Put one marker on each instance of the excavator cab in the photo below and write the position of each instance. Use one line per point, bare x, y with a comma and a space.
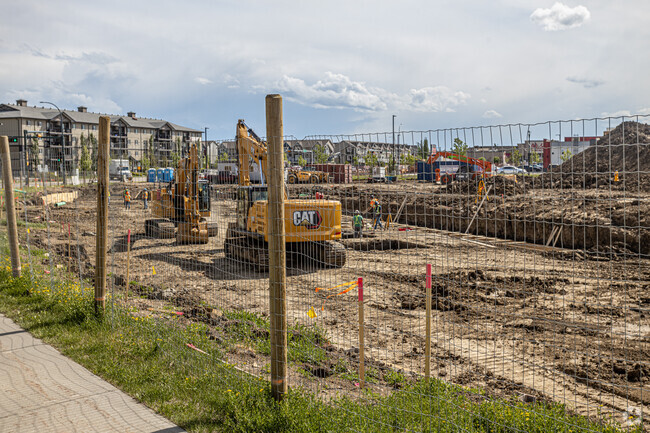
246, 196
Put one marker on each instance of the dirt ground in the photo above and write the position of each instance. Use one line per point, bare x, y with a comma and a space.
510, 315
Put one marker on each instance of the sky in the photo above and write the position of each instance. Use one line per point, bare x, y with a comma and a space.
341, 66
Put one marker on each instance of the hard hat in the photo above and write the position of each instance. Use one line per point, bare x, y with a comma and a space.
356, 212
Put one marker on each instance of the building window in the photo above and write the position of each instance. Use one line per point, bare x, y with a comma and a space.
136, 130
94, 127
40, 123
136, 143
27, 122
82, 126
74, 126
129, 142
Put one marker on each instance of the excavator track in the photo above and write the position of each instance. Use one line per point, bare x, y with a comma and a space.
160, 229
333, 254
244, 248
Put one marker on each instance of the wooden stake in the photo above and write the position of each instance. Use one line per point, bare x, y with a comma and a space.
550, 237
427, 341
399, 211
277, 247
101, 241
362, 366
12, 227
478, 208
128, 264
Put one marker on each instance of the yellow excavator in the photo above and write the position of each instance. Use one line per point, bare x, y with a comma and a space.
311, 226
183, 206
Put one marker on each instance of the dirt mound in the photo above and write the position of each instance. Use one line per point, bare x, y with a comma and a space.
625, 149
500, 185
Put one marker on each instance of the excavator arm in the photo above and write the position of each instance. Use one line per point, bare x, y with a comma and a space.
485, 165
250, 146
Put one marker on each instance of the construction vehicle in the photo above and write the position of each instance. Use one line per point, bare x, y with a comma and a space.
471, 170
311, 226
183, 206
307, 175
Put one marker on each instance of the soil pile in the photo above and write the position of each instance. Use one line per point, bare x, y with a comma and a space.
626, 149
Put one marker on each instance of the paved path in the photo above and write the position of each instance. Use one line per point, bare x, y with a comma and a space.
42, 391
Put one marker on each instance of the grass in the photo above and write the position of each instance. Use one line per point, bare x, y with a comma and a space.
149, 359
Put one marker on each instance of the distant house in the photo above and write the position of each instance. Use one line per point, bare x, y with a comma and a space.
347, 151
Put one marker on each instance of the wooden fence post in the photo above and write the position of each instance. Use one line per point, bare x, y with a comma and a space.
12, 228
277, 246
101, 240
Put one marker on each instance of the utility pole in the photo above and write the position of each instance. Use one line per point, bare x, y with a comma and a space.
62, 139
208, 147
394, 141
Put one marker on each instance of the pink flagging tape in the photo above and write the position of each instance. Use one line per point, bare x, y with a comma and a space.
428, 275
128, 237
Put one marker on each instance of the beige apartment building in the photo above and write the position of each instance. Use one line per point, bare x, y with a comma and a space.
131, 137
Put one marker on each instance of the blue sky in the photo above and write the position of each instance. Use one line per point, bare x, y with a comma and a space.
342, 66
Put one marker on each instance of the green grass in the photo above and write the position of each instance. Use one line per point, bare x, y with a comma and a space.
149, 359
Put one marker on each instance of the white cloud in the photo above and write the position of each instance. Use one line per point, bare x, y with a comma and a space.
434, 99
560, 17
492, 114
627, 113
339, 91
202, 81
334, 91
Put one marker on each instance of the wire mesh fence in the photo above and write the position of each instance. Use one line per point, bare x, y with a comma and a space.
445, 279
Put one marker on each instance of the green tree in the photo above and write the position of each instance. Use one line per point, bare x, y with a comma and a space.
496, 160
145, 162
566, 155
302, 161
34, 153
150, 151
459, 148
515, 157
175, 159
423, 150
320, 154
409, 160
93, 152
85, 163
534, 158
223, 157
371, 160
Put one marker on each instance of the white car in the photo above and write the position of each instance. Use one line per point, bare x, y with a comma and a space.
510, 169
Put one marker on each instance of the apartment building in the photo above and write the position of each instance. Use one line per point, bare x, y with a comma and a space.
130, 137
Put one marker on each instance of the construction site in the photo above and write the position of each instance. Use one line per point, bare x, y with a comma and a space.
540, 284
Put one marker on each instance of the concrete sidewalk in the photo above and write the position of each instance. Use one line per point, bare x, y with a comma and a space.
42, 391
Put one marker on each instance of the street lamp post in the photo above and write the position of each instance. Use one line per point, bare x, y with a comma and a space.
208, 147
394, 142
62, 138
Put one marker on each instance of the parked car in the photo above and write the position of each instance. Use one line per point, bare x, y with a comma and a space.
510, 169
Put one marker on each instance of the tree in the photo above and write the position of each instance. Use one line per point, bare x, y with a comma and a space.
534, 158
175, 159
459, 148
409, 160
566, 155
302, 161
423, 150
85, 163
320, 154
150, 151
223, 157
93, 152
515, 158
145, 162
371, 160
35, 155
496, 160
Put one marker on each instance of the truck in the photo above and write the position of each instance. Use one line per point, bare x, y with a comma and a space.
469, 169
378, 175
118, 169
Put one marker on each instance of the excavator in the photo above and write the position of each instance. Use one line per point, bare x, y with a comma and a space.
183, 206
465, 172
311, 226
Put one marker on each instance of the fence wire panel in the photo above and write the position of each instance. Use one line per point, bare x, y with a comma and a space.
491, 278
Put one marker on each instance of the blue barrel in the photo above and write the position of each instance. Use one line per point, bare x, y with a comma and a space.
151, 175
160, 175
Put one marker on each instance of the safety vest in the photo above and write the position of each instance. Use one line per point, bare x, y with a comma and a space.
127, 196
358, 220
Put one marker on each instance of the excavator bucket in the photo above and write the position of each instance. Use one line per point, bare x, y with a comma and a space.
192, 233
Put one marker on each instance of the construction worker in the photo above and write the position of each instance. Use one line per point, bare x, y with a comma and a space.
376, 210
109, 195
127, 199
357, 222
146, 198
